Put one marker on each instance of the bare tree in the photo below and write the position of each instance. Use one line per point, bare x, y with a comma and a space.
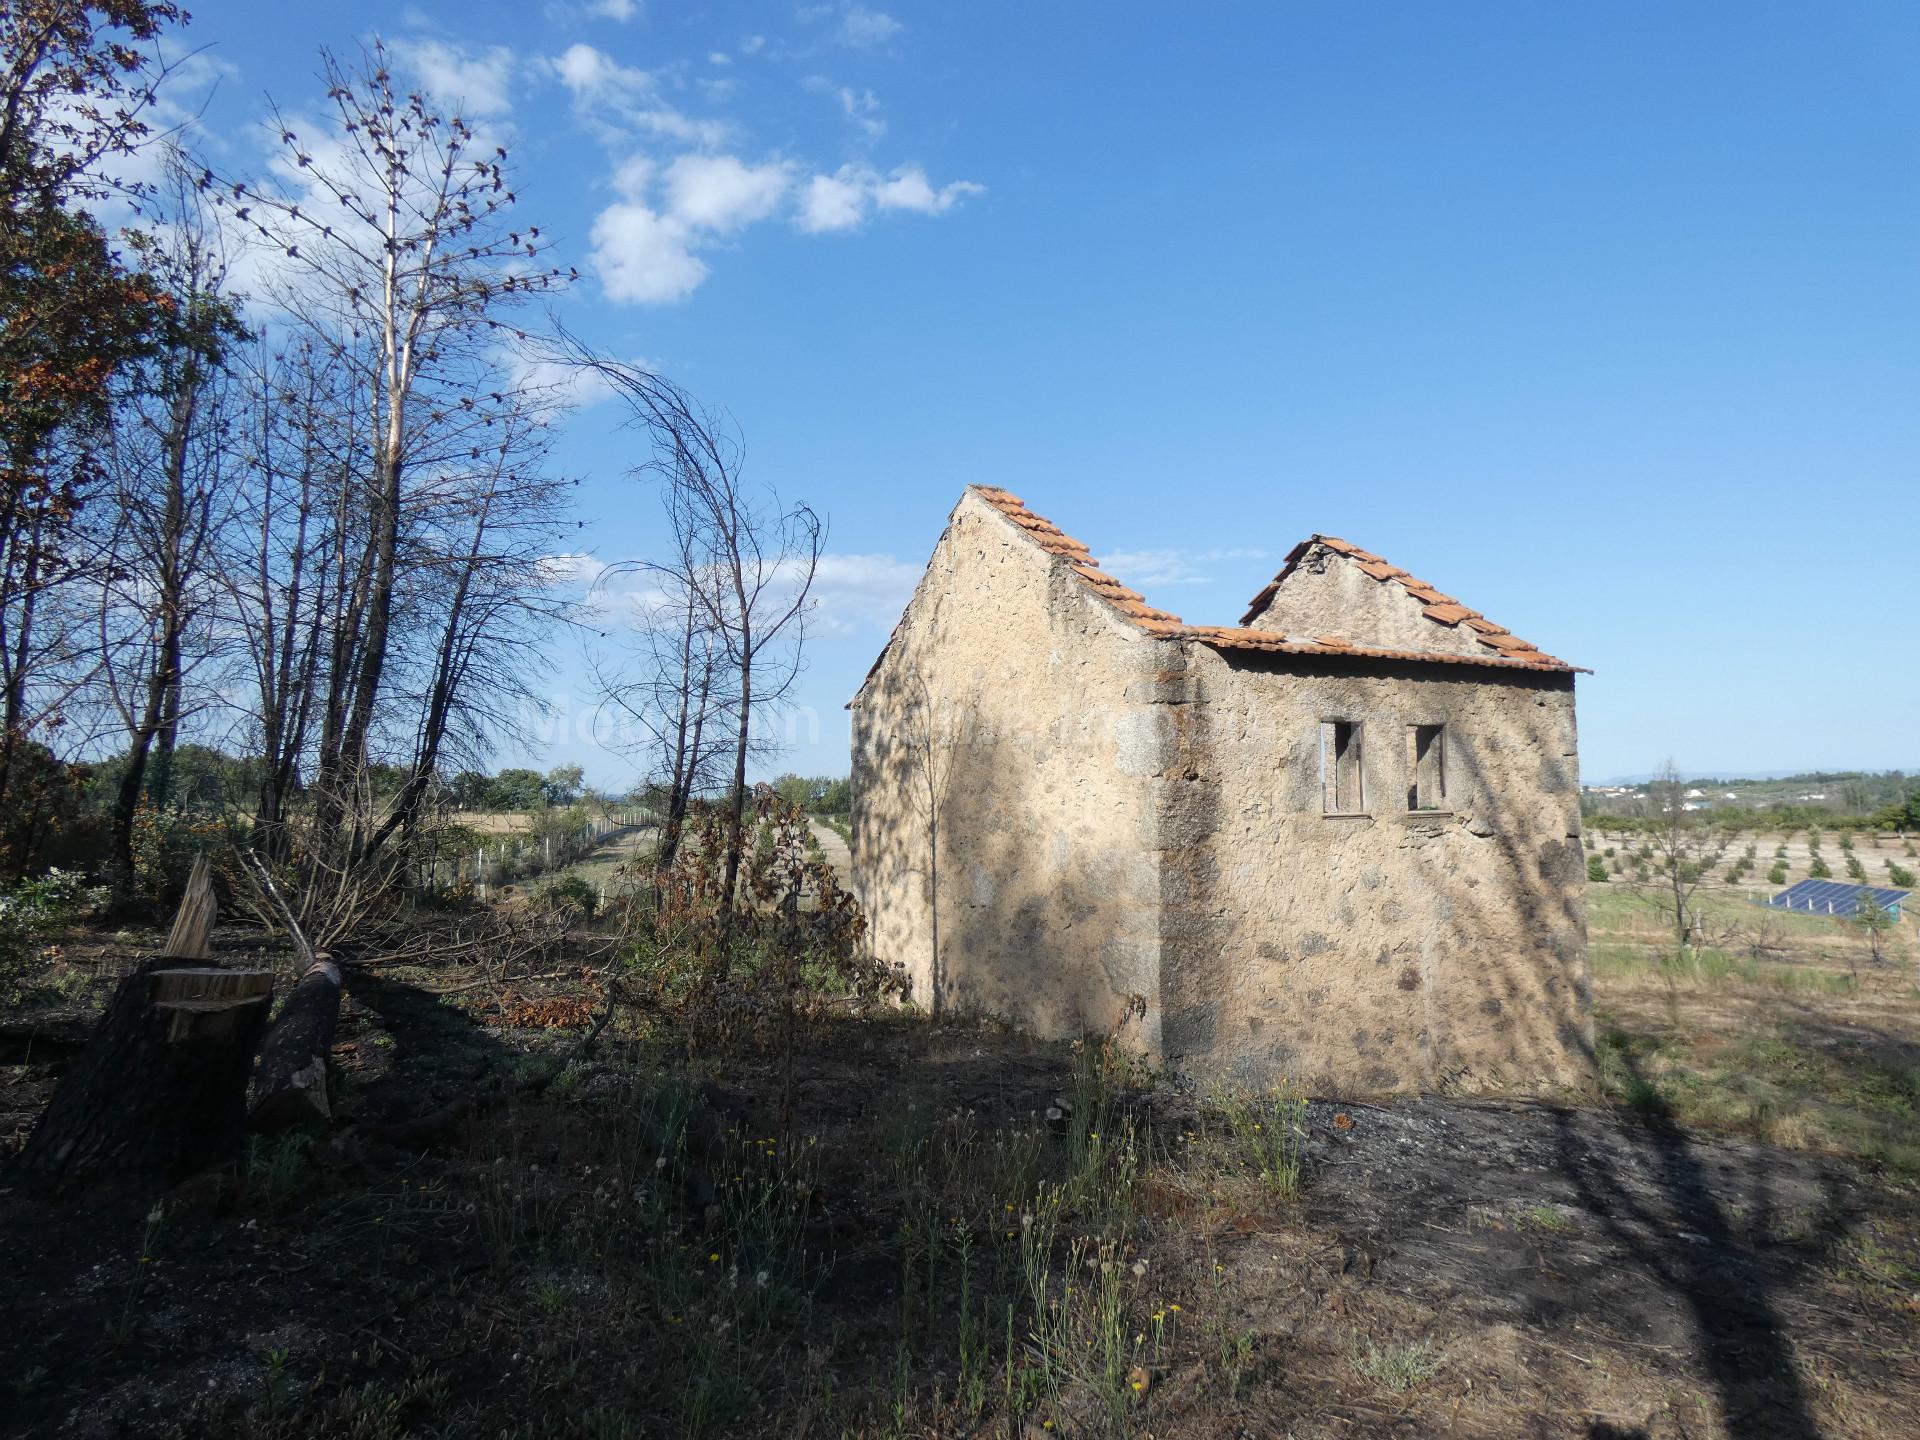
927, 733
743, 559
277, 564
167, 464
403, 259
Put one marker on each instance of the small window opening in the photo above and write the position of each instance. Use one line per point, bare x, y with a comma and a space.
1427, 772
1342, 787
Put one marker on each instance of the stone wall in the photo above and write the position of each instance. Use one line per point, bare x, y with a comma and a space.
1394, 950
1120, 813
1019, 697
1329, 594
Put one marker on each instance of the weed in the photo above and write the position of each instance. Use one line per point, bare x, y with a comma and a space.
1397, 1367
1270, 1132
275, 1167
1548, 1219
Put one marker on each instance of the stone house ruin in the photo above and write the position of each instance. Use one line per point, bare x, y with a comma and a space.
1338, 842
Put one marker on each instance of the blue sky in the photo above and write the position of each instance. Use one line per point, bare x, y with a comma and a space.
1605, 318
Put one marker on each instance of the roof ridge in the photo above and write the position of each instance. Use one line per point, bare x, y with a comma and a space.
1437, 605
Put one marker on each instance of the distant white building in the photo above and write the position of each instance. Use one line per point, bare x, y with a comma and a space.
1696, 795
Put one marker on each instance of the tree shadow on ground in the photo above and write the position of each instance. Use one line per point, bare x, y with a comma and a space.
1669, 1219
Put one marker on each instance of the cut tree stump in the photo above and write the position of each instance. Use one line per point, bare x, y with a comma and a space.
161, 1090
290, 1089
193, 921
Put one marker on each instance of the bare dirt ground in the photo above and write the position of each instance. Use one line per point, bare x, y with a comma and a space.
1449, 1267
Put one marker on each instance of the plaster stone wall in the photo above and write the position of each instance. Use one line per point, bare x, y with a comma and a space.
1329, 594
1025, 704
1390, 951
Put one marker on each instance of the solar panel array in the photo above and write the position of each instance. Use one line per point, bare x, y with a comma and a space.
1833, 897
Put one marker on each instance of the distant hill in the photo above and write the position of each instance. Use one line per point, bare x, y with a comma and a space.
1754, 777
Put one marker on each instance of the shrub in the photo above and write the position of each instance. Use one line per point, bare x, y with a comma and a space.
1778, 874
35, 910
1900, 876
574, 890
1819, 870
1596, 869
1855, 869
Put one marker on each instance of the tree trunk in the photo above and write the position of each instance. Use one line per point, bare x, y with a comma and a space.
161, 1091
193, 921
290, 1090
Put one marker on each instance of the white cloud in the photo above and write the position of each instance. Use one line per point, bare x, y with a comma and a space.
633, 175
719, 57
578, 568
616, 98
644, 256
842, 200
478, 82
832, 203
1175, 567
852, 593
721, 193
644, 252
859, 106
863, 28
549, 380
620, 10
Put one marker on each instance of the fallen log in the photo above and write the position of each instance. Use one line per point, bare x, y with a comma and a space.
160, 1091
290, 1088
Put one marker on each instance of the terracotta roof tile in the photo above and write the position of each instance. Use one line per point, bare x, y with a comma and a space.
1223, 637
1438, 606
1505, 651
1130, 604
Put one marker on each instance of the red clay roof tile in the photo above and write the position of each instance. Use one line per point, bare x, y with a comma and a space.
1509, 652
1439, 607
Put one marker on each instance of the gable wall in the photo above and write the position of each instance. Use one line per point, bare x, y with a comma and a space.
1329, 594
1042, 748
1393, 952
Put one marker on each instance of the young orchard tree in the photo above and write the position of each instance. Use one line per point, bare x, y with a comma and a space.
399, 251
1873, 920
1685, 850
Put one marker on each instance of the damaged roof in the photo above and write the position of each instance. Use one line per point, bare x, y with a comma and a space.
1438, 607
1504, 650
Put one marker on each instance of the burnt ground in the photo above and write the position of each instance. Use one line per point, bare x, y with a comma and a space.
1449, 1267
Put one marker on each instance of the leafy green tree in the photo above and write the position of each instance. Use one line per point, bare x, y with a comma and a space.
564, 785
1597, 869
517, 789
1819, 870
